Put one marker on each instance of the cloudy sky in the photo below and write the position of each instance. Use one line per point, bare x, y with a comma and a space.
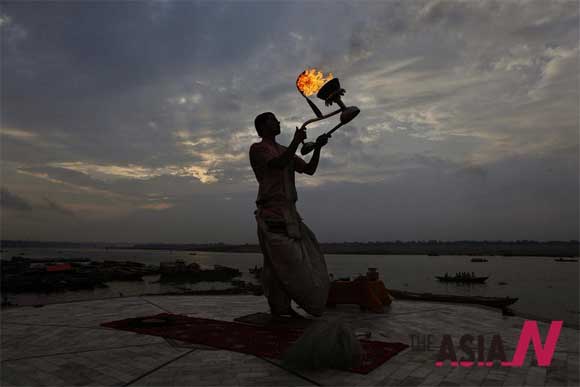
131, 121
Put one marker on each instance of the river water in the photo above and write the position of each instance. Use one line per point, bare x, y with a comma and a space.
546, 289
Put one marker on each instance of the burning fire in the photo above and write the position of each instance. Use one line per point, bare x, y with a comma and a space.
311, 80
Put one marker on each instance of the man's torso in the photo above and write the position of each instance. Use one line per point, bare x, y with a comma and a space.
276, 185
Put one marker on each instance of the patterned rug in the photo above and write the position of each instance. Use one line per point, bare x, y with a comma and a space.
266, 320
269, 341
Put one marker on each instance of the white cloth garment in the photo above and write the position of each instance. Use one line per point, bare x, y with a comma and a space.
294, 266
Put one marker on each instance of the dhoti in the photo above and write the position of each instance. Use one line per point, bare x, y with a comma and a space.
294, 266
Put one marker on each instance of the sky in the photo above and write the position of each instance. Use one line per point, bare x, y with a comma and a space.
132, 121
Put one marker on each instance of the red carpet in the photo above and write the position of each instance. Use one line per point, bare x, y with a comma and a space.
268, 341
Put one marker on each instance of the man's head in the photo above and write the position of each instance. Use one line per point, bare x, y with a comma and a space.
267, 124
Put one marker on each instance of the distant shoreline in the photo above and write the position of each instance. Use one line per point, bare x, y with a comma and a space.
432, 248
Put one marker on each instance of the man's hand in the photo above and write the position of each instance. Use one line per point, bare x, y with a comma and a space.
322, 140
299, 135
289, 154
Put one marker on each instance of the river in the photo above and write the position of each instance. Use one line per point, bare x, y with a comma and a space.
546, 289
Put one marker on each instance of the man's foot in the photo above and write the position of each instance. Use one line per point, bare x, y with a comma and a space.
295, 314
291, 313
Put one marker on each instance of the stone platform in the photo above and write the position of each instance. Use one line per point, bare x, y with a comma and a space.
64, 345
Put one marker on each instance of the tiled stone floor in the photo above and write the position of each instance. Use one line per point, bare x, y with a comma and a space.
64, 345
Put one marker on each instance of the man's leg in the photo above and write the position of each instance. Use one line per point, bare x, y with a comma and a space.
281, 255
278, 299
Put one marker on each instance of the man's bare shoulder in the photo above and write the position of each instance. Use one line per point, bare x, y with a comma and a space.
260, 150
257, 147
265, 147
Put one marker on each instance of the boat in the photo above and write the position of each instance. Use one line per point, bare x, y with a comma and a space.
566, 260
256, 271
180, 271
224, 271
478, 260
125, 270
496, 302
462, 279
42, 280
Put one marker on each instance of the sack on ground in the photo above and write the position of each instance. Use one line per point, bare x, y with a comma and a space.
325, 344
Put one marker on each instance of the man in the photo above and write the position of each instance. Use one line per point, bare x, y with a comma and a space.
294, 267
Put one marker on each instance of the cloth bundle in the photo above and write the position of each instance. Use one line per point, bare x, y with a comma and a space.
325, 344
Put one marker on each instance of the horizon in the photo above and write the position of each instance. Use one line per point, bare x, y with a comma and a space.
423, 241
133, 120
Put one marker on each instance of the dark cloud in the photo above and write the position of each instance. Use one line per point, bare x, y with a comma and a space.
12, 201
132, 113
430, 202
69, 176
457, 14
55, 207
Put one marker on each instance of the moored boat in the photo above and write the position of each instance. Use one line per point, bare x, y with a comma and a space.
256, 271
462, 279
565, 260
182, 272
496, 302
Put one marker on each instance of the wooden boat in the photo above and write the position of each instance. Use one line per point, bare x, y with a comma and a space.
478, 260
179, 271
256, 271
462, 279
42, 281
566, 260
496, 302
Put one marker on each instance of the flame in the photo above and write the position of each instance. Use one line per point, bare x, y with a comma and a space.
311, 80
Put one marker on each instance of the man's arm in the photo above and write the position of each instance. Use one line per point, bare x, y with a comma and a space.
284, 159
313, 163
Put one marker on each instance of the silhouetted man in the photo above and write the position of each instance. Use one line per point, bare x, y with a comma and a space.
294, 267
